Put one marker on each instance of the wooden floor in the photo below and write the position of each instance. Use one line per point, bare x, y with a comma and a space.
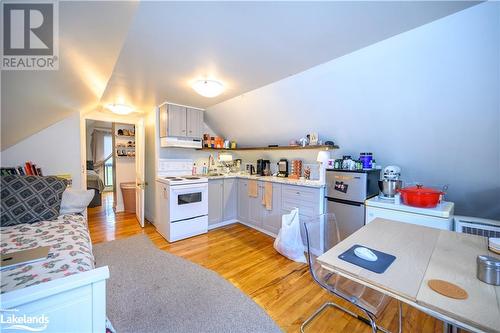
247, 259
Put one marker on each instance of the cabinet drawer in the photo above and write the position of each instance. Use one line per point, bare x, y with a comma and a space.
305, 209
307, 200
291, 192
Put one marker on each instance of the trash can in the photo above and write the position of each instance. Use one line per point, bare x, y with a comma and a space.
128, 195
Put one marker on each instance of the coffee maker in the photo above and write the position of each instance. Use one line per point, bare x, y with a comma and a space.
283, 168
262, 166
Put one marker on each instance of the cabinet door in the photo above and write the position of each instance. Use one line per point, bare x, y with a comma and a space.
176, 121
163, 121
272, 218
255, 208
215, 197
194, 123
230, 203
243, 200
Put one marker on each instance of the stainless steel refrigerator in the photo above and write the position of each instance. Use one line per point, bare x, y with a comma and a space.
346, 192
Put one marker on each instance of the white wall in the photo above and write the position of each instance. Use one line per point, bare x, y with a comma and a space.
55, 149
151, 136
427, 100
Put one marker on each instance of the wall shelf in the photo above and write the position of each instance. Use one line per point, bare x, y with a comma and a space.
317, 147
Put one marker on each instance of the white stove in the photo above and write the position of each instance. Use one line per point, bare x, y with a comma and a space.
181, 201
182, 180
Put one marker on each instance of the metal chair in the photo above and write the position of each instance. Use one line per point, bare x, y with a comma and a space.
368, 301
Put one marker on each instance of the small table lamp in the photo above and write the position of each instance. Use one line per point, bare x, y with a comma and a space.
323, 157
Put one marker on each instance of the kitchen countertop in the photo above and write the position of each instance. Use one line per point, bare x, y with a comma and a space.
281, 180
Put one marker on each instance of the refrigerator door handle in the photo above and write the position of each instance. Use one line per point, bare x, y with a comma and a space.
346, 202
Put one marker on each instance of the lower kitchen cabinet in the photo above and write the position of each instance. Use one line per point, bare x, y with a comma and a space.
255, 207
243, 200
228, 199
230, 202
272, 218
215, 201
310, 202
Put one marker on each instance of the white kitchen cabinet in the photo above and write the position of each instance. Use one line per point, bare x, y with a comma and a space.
230, 199
194, 123
176, 120
180, 121
243, 200
310, 202
272, 218
215, 201
255, 207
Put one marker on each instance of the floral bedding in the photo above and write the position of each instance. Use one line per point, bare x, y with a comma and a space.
70, 252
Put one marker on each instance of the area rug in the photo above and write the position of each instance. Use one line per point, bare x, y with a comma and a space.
150, 290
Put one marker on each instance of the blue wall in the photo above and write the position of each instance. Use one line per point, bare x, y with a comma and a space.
427, 100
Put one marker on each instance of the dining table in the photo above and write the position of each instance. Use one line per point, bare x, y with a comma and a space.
424, 254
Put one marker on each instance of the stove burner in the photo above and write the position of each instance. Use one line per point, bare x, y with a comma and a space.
170, 177
191, 178
174, 179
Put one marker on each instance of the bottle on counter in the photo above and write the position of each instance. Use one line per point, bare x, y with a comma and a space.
193, 171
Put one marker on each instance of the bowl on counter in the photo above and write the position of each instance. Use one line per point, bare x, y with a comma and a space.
389, 187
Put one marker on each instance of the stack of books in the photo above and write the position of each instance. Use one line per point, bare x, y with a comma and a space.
29, 169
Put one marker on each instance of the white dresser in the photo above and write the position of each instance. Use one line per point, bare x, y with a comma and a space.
440, 217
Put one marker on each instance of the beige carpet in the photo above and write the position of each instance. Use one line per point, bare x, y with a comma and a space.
150, 290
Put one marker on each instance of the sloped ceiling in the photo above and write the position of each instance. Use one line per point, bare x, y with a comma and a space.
148, 53
91, 35
247, 45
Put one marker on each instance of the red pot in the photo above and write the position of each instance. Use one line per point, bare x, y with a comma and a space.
419, 196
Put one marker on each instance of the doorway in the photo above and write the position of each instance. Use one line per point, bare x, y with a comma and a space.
113, 169
99, 159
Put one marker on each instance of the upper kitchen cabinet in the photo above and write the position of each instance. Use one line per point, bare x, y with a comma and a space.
176, 120
194, 123
180, 121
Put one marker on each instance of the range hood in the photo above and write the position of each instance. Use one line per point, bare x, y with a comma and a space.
173, 142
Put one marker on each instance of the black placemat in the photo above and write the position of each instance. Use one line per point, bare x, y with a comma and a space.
379, 266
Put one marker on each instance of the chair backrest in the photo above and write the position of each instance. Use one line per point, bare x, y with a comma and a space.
367, 300
312, 229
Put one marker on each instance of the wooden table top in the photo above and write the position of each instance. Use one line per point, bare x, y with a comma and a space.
422, 254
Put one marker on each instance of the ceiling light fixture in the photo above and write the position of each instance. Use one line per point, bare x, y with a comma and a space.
122, 109
208, 88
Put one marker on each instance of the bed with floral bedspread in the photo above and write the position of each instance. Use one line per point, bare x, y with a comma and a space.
70, 250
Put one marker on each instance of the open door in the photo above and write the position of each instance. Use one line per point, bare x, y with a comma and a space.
140, 142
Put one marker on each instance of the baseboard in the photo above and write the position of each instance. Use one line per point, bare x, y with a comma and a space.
258, 229
222, 224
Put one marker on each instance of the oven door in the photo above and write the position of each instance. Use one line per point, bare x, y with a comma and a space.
188, 201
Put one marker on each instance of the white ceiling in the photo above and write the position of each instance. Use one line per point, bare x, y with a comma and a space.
91, 35
247, 45
147, 53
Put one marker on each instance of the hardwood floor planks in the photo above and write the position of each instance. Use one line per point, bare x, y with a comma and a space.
247, 259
